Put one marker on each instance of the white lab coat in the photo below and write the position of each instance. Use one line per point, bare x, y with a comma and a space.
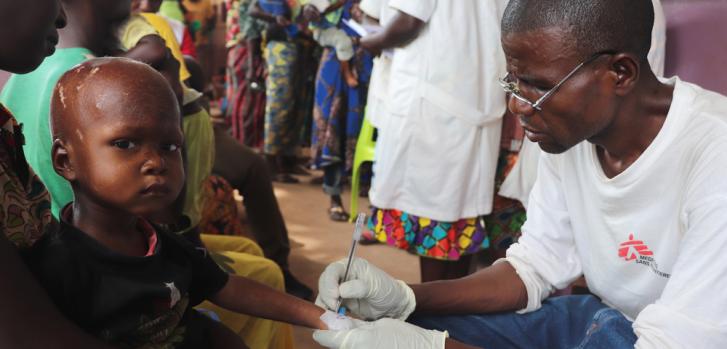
438, 146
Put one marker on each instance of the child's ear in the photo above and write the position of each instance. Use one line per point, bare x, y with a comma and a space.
62, 161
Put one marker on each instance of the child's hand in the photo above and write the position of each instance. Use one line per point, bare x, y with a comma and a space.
337, 322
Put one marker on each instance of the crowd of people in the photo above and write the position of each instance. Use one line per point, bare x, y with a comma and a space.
540, 131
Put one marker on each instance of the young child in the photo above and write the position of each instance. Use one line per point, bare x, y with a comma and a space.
117, 140
324, 31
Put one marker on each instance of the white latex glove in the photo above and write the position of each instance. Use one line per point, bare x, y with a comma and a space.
370, 293
384, 334
337, 322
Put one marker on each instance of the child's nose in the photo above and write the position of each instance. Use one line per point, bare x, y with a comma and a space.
154, 163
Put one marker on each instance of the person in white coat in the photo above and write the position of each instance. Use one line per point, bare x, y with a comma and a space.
631, 194
437, 149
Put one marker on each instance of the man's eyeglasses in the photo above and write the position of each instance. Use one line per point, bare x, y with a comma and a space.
510, 83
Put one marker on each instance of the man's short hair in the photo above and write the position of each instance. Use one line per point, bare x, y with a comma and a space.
595, 25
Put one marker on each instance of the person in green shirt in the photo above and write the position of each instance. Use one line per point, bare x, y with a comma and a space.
28, 318
28, 95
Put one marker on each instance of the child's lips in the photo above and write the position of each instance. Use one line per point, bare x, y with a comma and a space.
156, 189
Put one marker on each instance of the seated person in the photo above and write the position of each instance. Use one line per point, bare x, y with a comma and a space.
24, 207
631, 194
117, 139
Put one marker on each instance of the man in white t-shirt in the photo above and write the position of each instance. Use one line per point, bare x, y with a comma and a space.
632, 194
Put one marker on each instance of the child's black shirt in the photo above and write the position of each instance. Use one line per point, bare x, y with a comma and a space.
128, 301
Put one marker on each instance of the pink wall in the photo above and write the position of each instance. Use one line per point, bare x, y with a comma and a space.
696, 42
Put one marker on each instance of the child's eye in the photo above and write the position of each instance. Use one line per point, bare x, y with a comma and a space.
124, 144
170, 147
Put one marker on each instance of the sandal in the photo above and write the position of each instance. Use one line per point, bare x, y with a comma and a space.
337, 214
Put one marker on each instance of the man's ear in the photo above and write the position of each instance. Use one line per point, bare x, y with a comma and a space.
62, 161
627, 71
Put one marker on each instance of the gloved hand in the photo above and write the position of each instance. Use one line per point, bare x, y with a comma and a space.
370, 293
384, 334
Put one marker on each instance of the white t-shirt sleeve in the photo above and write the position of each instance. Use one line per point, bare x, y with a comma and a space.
691, 310
421, 9
545, 256
657, 52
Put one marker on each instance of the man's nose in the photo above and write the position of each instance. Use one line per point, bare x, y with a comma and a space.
518, 107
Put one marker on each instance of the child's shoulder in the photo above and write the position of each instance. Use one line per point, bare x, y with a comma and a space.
59, 253
55, 245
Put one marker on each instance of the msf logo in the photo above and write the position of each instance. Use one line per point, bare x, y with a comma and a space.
637, 251
632, 249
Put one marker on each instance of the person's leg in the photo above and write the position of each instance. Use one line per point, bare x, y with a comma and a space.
332, 177
562, 322
247, 172
609, 329
434, 269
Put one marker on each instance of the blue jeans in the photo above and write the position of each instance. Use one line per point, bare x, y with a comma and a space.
568, 322
332, 177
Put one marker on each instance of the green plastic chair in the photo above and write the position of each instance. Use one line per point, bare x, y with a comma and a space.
364, 152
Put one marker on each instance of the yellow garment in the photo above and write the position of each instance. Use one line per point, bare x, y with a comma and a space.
199, 14
143, 24
199, 140
243, 257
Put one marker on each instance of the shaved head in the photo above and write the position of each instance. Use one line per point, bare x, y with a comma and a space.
594, 25
117, 136
104, 89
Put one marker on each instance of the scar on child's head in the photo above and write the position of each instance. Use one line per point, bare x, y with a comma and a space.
88, 91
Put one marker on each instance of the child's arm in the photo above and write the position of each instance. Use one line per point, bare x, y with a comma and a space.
246, 296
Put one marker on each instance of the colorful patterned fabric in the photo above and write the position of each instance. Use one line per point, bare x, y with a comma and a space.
508, 215
240, 26
250, 28
429, 238
282, 124
232, 22
450, 240
219, 212
246, 106
24, 202
338, 110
